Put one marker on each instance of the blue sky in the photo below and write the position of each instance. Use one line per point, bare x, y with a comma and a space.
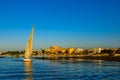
67, 23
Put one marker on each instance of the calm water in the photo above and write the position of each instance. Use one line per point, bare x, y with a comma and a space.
16, 69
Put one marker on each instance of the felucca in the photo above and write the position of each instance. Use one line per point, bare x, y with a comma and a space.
28, 49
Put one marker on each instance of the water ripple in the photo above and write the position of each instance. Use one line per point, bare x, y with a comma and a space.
13, 69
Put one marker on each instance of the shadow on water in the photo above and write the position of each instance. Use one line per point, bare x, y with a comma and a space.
28, 70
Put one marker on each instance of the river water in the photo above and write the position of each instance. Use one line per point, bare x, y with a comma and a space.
16, 69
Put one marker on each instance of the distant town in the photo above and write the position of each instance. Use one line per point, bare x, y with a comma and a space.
59, 52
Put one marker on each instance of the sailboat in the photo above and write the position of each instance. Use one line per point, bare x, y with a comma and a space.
28, 49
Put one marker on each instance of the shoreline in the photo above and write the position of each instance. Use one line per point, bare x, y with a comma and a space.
110, 58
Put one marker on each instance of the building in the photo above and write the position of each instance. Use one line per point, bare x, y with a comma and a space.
0, 53
95, 50
78, 50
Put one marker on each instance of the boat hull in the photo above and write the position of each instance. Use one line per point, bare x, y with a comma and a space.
27, 60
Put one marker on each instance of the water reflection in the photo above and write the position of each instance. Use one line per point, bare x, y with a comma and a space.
28, 70
70, 69
99, 62
79, 61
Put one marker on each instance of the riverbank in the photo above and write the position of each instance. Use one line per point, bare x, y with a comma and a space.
110, 58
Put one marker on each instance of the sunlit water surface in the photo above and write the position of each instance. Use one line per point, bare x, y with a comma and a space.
16, 69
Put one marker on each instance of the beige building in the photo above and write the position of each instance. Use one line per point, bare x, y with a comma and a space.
95, 50
98, 50
0, 52
78, 50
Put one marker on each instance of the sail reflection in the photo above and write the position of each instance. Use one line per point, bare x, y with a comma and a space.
28, 70
99, 62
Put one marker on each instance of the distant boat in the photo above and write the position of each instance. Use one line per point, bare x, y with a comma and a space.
28, 49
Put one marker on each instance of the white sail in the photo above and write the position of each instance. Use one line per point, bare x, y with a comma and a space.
28, 49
